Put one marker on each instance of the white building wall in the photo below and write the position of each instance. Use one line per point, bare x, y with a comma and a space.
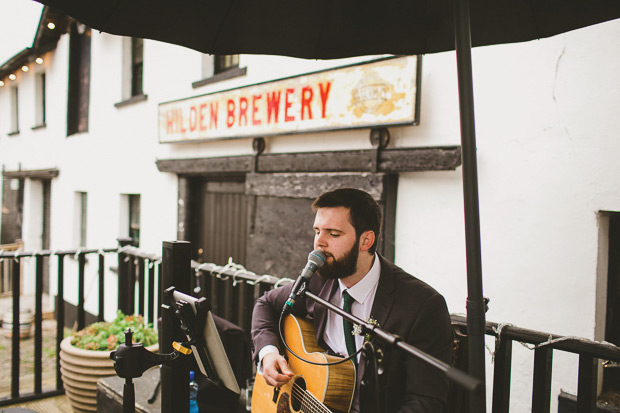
547, 132
547, 148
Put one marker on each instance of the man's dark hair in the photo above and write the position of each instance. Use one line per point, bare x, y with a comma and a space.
365, 212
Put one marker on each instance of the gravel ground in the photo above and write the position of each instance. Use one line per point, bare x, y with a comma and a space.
26, 361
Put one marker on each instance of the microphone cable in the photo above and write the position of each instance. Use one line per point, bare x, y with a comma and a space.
331, 363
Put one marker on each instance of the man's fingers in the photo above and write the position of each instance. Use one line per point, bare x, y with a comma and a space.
276, 371
277, 380
284, 368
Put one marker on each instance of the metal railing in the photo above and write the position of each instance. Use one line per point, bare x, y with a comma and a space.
231, 291
544, 344
131, 266
17, 257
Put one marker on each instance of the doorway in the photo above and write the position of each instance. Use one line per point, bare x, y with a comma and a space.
222, 221
12, 210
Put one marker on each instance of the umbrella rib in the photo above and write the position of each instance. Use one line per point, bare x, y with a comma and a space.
107, 18
221, 29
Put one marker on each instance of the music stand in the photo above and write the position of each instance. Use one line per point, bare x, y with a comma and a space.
131, 360
203, 337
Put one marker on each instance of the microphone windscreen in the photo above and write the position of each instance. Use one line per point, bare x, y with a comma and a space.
317, 257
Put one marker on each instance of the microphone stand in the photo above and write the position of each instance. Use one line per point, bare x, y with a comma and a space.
375, 358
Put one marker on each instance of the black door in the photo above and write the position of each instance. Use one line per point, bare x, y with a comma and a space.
222, 222
12, 210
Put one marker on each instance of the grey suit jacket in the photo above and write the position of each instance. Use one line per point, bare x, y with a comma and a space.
404, 306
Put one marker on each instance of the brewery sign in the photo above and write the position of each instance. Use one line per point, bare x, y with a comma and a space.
372, 94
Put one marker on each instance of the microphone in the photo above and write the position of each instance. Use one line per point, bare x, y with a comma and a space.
316, 259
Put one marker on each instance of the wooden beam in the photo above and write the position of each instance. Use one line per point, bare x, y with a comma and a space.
444, 158
31, 174
206, 166
311, 185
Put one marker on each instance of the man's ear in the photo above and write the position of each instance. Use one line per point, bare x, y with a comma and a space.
367, 240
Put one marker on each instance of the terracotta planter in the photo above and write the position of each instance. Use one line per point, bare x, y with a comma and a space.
81, 370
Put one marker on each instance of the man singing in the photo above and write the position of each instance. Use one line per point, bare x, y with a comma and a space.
347, 225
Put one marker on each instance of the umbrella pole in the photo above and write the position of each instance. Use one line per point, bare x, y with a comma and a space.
475, 301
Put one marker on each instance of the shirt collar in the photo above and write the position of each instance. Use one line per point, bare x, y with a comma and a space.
364, 287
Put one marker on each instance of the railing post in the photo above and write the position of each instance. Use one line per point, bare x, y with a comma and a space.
131, 285
501, 375
541, 392
81, 313
176, 266
152, 300
60, 315
15, 338
141, 286
38, 325
586, 387
101, 317
123, 278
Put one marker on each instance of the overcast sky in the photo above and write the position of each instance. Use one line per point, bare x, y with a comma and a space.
18, 25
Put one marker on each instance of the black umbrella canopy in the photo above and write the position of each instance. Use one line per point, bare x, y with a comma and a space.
327, 29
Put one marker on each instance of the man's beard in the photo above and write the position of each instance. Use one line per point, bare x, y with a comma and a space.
342, 268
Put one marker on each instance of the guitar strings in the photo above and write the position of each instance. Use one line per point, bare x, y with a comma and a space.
310, 398
308, 401
302, 395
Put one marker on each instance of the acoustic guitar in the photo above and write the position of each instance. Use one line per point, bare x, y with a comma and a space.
313, 388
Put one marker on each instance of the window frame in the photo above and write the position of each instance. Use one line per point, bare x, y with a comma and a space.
14, 122
40, 100
212, 74
132, 90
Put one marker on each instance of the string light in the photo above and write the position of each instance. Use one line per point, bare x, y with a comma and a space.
51, 25
25, 68
1, 83
39, 60
12, 76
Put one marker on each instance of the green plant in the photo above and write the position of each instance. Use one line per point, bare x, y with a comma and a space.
107, 336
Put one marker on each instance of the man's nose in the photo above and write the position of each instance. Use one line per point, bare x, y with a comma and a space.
320, 240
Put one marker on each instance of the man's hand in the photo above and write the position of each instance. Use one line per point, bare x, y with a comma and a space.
275, 370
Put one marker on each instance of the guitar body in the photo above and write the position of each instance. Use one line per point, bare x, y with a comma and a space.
313, 388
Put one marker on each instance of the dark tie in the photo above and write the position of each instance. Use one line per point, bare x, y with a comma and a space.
349, 338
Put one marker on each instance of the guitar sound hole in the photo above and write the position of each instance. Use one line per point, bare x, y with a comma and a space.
297, 395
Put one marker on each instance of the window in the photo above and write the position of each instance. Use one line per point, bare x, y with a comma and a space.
81, 218
216, 68
134, 219
222, 63
133, 72
14, 111
40, 100
79, 79
129, 218
137, 62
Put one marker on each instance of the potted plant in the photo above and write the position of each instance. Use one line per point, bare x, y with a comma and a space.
85, 356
